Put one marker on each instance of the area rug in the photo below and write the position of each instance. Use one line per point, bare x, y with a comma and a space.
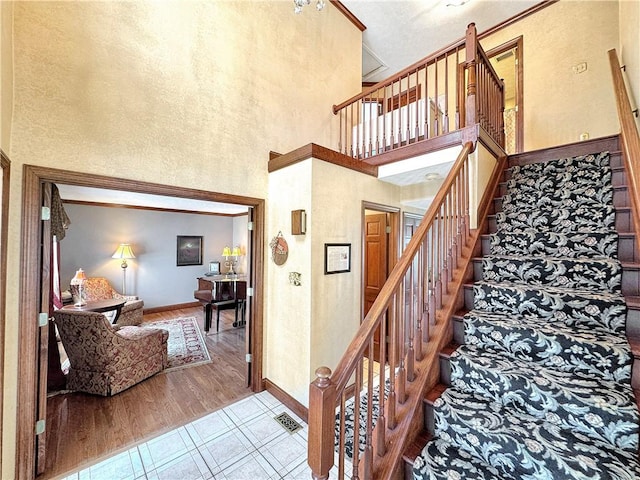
186, 346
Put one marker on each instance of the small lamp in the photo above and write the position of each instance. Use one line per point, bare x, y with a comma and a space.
124, 252
226, 253
78, 279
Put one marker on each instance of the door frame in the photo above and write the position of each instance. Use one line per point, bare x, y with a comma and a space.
393, 245
33, 179
516, 43
5, 164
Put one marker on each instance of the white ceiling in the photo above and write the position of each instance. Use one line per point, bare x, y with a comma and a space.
401, 32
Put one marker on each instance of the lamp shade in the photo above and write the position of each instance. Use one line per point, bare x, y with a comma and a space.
79, 277
226, 252
123, 251
236, 252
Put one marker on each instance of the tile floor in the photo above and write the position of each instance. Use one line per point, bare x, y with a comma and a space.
241, 441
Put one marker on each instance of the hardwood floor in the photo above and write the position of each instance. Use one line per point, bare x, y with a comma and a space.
82, 428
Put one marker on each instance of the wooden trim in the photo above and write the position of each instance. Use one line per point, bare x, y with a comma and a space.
402, 99
347, 13
291, 403
570, 149
167, 308
630, 139
487, 141
4, 228
516, 18
312, 150
153, 209
517, 44
273, 155
33, 177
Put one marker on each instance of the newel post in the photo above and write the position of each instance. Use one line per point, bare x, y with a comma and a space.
322, 403
471, 49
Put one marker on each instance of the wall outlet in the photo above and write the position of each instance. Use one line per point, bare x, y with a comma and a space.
579, 67
584, 136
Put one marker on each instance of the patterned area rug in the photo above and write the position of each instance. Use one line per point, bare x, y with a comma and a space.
186, 347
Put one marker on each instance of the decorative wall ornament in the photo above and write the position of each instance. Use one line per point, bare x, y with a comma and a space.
295, 279
279, 249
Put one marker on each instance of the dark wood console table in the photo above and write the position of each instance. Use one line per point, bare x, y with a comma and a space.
222, 292
100, 306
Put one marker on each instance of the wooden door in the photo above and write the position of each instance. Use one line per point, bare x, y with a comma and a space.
43, 340
375, 258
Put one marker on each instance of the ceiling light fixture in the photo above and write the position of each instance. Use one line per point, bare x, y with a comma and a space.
301, 3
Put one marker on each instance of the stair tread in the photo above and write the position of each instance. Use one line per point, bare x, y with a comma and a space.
528, 444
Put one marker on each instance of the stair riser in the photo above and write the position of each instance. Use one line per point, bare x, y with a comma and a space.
623, 221
615, 163
627, 249
630, 278
618, 179
620, 199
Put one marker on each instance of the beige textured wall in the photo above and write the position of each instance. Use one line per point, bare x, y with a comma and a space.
558, 104
311, 325
629, 50
336, 299
6, 73
168, 92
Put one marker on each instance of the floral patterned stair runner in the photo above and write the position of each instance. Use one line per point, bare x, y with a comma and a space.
541, 388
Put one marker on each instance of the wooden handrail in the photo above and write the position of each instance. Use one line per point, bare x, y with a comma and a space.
630, 138
431, 254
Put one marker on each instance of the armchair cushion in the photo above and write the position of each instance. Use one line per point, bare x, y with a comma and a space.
106, 360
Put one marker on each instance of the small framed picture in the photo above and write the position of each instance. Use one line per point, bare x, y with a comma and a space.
337, 258
189, 250
214, 268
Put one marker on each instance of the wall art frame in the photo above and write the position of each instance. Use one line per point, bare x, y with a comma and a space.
189, 250
337, 258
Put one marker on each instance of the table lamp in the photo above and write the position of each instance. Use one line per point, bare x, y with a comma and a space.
78, 279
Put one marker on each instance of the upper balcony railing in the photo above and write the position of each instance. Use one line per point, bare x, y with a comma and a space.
444, 92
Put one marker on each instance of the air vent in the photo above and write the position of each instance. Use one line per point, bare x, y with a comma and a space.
288, 423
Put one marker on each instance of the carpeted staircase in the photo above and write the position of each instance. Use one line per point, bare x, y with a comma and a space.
541, 387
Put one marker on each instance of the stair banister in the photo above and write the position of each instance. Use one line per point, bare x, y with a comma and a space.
630, 138
451, 216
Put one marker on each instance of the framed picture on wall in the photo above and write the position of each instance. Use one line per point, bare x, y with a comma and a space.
189, 250
214, 268
337, 258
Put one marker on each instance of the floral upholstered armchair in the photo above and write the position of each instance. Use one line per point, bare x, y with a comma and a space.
99, 288
104, 360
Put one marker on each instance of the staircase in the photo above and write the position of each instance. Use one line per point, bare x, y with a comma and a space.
540, 384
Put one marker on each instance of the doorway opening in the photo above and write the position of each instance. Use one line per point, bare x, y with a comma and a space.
380, 234
31, 391
506, 59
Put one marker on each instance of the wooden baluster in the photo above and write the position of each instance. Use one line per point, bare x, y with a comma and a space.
445, 121
391, 122
418, 302
322, 401
391, 409
459, 213
359, 130
407, 109
408, 323
401, 377
457, 99
368, 448
444, 249
356, 421
418, 98
342, 435
381, 426
432, 268
340, 142
439, 262
427, 106
454, 228
437, 129
467, 217
449, 238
